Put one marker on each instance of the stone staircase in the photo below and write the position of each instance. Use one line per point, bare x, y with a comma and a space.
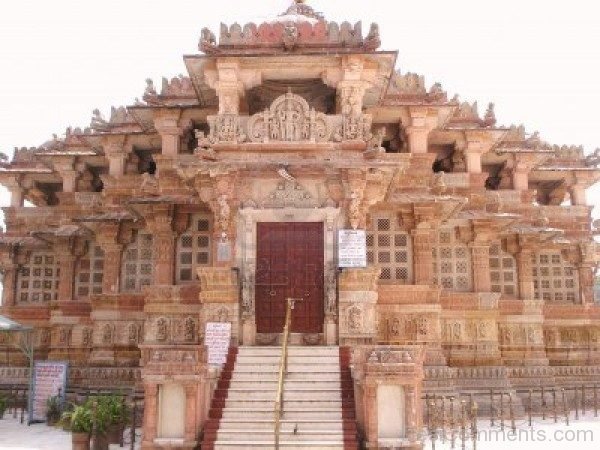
318, 406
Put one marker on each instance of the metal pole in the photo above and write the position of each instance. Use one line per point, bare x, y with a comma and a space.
595, 400
502, 410
511, 412
583, 399
492, 411
554, 405
543, 404
29, 339
133, 414
530, 405
576, 403
565, 407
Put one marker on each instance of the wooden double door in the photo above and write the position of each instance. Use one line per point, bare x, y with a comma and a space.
289, 264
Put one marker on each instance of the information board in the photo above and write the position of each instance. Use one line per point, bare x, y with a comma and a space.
217, 339
49, 380
352, 248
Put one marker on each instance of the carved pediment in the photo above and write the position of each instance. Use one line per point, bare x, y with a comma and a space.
290, 194
289, 119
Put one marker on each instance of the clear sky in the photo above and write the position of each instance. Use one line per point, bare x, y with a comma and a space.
538, 61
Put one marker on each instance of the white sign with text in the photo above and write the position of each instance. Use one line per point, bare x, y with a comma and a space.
352, 248
217, 339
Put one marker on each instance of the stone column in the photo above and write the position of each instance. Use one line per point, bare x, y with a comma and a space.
578, 195
17, 192
150, 415
114, 149
422, 254
480, 253
190, 412
164, 245
410, 413
107, 239
586, 283
525, 268
167, 124
66, 260
69, 180
9, 281
520, 179
423, 121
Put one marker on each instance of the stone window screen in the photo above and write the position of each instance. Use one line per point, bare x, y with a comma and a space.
452, 267
390, 248
503, 271
37, 280
138, 262
554, 279
193, 248
89, 273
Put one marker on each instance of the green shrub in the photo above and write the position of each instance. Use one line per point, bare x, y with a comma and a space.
53, 409
3, 404
80, 419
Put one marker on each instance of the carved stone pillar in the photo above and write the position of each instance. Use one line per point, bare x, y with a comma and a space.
116, 154
107, 239
480, 253
69, 180
150, 414
17, 192
66, 260
525, 267
9, 281
423, 121
578, 195
167, 124
586, 282
423, 258
190, 412
164, 245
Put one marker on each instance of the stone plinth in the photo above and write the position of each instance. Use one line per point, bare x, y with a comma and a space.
357, 305
388, 382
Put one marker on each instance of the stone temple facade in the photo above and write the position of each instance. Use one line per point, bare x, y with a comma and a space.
221, 193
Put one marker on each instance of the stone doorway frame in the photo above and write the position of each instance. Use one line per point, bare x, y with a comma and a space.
246, 261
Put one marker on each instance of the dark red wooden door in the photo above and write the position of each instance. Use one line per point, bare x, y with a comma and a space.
289, 264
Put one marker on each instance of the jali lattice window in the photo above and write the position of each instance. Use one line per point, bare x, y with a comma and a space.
89, 273
138, 262
37, 280
554, 279
391, 249
193, 248
503, 271
452, 262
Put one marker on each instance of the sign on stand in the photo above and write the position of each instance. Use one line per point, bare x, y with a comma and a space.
217, 339
49, 380
352, 248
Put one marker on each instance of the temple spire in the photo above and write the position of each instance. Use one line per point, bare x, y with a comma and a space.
300, 8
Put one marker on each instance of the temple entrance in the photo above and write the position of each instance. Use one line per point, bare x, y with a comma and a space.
289, 264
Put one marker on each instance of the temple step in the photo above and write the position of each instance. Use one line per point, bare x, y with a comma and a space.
318, 407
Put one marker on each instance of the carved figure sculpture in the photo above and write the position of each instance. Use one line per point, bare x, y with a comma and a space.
162, 330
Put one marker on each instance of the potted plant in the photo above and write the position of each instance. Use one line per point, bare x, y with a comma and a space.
53, 410
81, 424
116, 412
3, 405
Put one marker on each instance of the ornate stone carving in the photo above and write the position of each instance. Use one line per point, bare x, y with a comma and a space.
108, 332
289, 119
289, 194
190, 330
224, 129
248, 290
162, 330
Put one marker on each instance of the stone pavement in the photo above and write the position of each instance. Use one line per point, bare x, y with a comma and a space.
14, 436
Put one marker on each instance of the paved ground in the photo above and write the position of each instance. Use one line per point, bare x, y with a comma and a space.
14, 436
582, 434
